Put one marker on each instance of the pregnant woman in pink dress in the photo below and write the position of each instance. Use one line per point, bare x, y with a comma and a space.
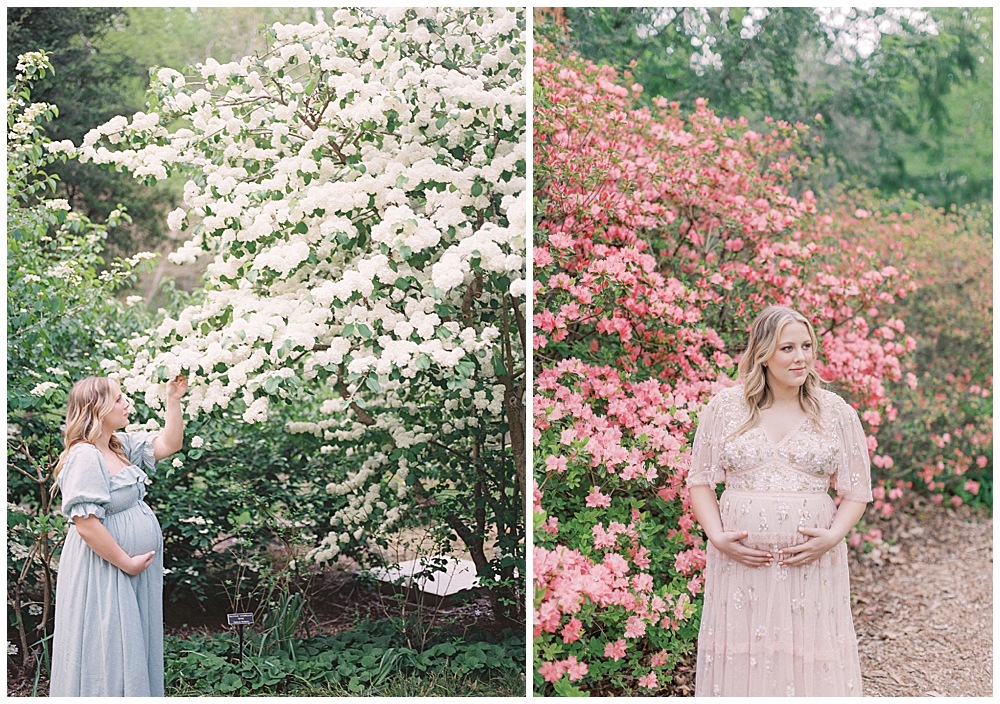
777, 615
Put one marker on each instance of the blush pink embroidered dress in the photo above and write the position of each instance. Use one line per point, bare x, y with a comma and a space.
778, 631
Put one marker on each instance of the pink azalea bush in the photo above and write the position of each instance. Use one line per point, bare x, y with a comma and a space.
658, 238
942, 439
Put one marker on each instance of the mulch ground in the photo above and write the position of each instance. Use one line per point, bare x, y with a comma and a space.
339, 601
923, 608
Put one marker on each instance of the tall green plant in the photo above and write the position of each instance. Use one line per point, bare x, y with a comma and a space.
62, 320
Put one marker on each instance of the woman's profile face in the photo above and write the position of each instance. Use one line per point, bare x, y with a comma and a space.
793, 358
118, 417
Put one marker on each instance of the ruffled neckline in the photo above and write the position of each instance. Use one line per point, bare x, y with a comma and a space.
131, 477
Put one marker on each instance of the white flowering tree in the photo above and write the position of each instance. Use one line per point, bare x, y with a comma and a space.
360, 188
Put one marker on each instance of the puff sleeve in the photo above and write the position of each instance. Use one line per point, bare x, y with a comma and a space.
84, 483
139, 449
852, 478
705, 463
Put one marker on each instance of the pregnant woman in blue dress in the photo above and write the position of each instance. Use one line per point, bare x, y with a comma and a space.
109, 593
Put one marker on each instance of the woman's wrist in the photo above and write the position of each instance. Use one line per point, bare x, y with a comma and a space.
715, 537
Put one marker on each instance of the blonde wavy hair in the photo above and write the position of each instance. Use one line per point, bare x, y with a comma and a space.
764, 335
90, 402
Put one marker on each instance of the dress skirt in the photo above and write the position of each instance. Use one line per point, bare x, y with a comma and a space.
777, 631
108, 638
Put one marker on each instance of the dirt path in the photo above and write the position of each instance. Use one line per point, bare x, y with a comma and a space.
923, 610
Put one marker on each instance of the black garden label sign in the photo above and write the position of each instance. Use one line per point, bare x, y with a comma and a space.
240, 619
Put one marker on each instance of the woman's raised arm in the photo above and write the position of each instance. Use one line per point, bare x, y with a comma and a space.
172, 438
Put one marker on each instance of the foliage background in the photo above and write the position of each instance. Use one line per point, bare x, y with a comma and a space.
917, 114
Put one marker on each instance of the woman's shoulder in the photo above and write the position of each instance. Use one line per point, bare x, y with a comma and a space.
830, 401
730, 393
136, 436
83, 449
727, 397
82, 456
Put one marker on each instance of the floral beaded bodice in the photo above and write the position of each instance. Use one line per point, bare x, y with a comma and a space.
809, 458
802, 461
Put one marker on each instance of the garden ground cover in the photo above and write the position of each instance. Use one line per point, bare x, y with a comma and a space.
924, 612
354, 642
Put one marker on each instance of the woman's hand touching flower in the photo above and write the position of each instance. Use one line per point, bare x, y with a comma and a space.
177, 388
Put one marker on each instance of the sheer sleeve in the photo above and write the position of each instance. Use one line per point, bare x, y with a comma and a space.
705, 451
84, 483
139, 449
852, 480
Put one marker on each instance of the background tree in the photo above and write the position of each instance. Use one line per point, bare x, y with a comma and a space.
905, 95
90, 86
102, 57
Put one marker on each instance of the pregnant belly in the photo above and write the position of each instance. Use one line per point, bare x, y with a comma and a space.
772, 519
135, 529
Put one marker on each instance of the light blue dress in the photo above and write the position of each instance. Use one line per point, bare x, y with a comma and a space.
108, 638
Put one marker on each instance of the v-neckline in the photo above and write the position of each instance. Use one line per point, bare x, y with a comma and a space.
108, 470
123, 468
790, 433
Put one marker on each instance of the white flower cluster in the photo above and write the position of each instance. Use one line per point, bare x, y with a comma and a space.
361, 190
33, 59
752, 21
17, 551
854, 32
24, 125
42, 388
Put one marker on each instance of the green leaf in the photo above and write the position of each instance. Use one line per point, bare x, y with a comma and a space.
242, 519
230, 682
